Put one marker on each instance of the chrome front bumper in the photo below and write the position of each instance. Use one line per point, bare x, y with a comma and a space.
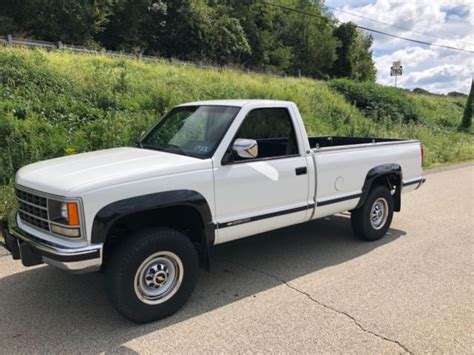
34, 251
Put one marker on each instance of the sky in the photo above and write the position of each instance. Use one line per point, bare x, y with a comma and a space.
446, 22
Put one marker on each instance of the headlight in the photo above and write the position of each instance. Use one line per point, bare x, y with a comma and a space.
64, 218
64, 210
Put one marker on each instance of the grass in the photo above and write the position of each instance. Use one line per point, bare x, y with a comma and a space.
57, 103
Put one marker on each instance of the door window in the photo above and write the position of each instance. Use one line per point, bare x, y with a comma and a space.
273, 130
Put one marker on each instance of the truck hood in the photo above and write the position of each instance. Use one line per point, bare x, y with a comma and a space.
74, 174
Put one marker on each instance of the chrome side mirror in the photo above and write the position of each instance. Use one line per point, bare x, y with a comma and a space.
245, 148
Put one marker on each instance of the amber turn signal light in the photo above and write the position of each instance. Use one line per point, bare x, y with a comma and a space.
72, 214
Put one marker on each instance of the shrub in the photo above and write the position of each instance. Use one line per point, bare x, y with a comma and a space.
377, 101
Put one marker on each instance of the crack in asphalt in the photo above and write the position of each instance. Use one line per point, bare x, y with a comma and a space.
311, 298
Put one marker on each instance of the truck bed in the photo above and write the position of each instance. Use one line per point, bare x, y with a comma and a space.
334, 141
343, 163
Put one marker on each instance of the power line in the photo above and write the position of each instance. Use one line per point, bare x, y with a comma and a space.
415, 40
370, 29
396, 26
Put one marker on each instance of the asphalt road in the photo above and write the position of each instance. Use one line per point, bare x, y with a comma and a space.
308, 288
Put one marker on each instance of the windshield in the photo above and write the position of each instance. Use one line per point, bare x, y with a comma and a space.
191, 130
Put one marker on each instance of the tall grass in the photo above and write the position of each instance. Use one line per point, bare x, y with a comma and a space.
57, 103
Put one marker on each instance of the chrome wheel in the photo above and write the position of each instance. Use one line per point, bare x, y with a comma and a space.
159, 277
379, 213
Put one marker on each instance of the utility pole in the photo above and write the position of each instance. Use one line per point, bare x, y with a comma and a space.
395, 70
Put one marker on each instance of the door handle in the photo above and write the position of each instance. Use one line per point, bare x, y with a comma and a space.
302, 170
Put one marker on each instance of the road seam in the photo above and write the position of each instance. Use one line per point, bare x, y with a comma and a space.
311, 298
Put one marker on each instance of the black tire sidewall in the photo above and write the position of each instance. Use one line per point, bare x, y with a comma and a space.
364, 227
120, 273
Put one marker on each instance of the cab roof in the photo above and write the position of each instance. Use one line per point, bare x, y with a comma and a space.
235, 103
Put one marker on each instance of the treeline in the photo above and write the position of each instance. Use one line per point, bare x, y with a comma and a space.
246, 33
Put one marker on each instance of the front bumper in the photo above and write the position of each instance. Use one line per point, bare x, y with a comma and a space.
34, 251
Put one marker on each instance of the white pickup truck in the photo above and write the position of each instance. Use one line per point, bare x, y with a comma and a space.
207, 173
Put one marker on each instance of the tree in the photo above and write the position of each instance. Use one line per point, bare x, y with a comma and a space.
346, 34
228, 42
260, 24
364, 67
7, 25
421, 91
456, 94
468, 111
127, 26
71, 21
179, 31
312, 40
354, 58
169, 28
9, 15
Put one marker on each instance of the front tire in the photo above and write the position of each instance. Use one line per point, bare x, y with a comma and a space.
152, 274
372, 220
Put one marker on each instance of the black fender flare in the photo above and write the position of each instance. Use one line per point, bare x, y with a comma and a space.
375, 173
109, 214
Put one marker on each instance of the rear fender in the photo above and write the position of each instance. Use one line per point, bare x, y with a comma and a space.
389, 174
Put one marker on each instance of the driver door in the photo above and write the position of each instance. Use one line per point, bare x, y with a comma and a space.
254, 195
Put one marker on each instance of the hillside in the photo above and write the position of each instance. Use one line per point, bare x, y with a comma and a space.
259, 35
56, 103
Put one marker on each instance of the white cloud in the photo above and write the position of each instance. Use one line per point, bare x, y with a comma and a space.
445, 22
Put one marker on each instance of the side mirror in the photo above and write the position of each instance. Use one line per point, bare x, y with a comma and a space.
245, 148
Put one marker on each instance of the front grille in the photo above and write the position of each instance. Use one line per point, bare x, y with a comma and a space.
33, 209
31, 198
34, 221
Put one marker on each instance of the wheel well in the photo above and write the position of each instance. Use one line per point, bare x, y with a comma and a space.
393, 181
389, 175
389, 180
185, 219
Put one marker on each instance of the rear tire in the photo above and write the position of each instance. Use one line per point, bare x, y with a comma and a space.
372, 220
152, 274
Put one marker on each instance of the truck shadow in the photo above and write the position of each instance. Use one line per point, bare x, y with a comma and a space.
44, 310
